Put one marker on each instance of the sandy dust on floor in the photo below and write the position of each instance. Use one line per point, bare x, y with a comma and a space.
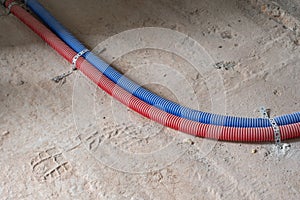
72, 141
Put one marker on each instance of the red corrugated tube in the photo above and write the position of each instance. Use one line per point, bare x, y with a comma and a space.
191, 127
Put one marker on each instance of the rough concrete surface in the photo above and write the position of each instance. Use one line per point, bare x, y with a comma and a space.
71, 140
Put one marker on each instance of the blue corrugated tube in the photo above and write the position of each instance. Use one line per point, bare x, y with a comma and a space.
146, 95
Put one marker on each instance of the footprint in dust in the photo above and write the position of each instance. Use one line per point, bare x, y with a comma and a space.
49, 165
127, 137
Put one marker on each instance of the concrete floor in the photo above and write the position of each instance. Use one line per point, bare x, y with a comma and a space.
48, 130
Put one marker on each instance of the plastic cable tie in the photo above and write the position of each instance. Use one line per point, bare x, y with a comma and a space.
76, 57
11, 5
275, 126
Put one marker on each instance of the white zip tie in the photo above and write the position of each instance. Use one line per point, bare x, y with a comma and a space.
275, 126
58, 78
76, 57
280, 148
11, 5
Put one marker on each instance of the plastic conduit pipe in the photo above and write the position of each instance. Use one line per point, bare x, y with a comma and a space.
191, 127
146, 95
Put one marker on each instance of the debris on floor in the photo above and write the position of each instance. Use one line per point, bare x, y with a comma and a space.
254, 151
225, 65
5, 133
226, 35
279, 14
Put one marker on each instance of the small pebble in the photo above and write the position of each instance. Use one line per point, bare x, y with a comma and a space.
189, 141
254, 151
5, 133
226, 35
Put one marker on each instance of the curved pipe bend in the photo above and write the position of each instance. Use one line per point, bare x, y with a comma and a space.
191, 127
146, 95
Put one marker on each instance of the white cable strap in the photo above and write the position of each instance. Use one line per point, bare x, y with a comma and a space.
11, 5
76, 57
275, 126
58, 78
